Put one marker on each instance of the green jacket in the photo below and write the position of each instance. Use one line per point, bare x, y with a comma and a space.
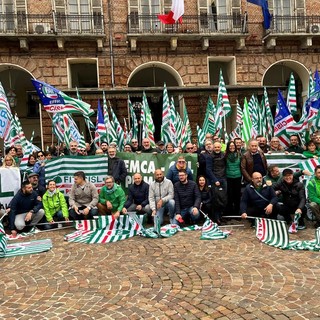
313, 188
233, 169
309, 154
117, 198
53, 204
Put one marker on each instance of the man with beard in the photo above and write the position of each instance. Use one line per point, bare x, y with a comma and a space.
138, 196
161, 196
262, 142
258, 199
104, 147
26, 209
187, 199
116, 166
34, 180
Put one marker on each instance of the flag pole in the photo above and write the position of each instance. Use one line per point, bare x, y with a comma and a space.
41, 127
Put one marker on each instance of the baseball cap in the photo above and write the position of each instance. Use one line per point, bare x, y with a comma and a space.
287, 172
33, 174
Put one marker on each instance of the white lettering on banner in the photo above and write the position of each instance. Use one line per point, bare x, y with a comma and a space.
129, 180
54, 108
136, 166
93, 179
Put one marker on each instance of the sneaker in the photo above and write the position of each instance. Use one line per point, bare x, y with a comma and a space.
292, 228
301, 227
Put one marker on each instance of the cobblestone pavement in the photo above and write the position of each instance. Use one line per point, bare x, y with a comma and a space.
180, 277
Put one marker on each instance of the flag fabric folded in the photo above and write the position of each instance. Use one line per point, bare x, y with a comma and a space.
211, 231
275, 233
21, 248
265, 11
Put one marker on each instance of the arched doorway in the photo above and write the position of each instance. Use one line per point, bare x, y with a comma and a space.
17, 80
278, 74
155, 74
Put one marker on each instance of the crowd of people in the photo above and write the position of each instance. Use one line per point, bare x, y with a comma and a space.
231, 180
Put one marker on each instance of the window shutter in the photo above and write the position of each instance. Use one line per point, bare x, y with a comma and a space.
236, 11
97, 14
270, 5
134, 15
21, 6
60, 10
60, 6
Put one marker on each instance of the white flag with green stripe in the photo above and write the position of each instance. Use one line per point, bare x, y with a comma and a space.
292, 96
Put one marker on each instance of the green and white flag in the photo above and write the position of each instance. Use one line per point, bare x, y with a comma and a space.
166, 117
211, 231
223, 98
247, 124
292, 96
118, 129
186, 129
147, 122
111, 133
209, 118
134, 128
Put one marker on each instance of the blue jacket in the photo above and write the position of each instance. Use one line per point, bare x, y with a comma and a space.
22, 203
41, 171
186, 195
250, 198
173, 174
138, 194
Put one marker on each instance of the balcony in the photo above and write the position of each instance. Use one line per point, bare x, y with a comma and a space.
303, 28
203, 27
54, 27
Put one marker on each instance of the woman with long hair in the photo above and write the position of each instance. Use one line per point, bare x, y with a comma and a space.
234, 177
9, 162
206, 195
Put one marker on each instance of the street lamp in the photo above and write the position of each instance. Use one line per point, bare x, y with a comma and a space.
12, 99
11, 96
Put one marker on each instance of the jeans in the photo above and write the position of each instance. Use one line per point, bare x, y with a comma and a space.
145, 209
187, 214
75, 216
168, 207
20, 222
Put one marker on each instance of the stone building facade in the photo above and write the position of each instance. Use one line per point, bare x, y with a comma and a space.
121, 47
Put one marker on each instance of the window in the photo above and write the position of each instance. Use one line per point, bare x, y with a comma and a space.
228, 67
83, 73
288, 15
83, 15
219, 15
9, 8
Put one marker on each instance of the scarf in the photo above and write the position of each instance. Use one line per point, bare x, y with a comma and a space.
112, 190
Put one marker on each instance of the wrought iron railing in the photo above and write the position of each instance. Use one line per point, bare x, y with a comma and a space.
25, 24
201, 24
295, 24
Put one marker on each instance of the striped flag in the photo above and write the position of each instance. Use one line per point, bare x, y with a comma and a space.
147, 122
166, 117
200, 136
311, 88
100, 133
247, 124
223, 98
66, 130
179, 129
186, 129
87, 119
239, 119
172, 123
292, 96
134, 128
126, 134
254, 115
209, 118
282, 120
269, 117
275, 233
26, 154
111, 134
211, 231
309, 164
118, 129
5, 114
272, 232
107, 229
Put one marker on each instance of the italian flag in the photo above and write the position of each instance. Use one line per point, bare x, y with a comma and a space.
176, 13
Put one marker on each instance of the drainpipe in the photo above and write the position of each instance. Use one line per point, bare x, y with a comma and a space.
111, 43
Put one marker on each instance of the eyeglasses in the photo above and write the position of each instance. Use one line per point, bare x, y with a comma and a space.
134, 141
181, 161
190, 148
40, 155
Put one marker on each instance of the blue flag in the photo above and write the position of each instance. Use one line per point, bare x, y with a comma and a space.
265, 11
55, 100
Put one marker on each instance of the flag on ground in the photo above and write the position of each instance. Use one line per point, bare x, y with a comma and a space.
211, 231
